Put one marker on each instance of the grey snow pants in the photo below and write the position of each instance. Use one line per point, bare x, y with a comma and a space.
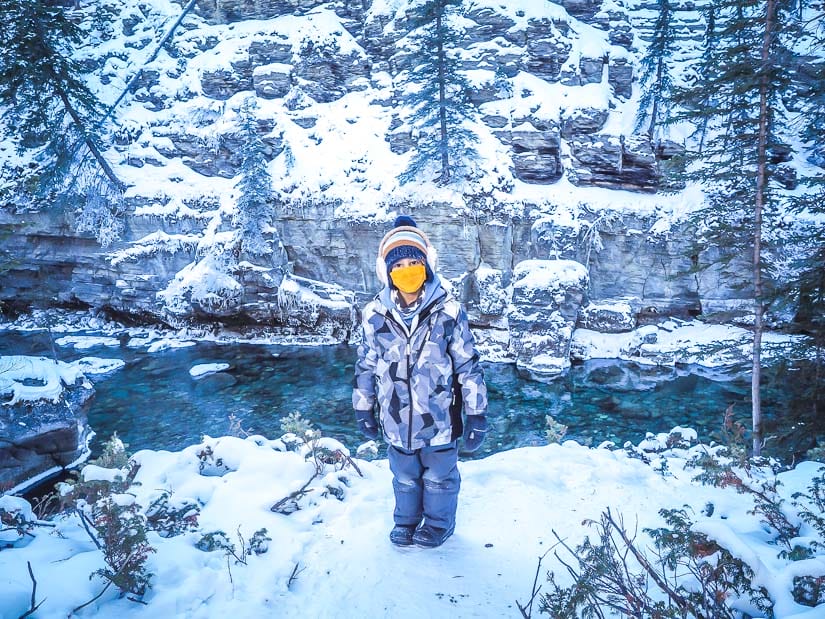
426, 483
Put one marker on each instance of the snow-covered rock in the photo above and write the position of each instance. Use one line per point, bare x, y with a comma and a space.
42, 418
615, 317
542, 314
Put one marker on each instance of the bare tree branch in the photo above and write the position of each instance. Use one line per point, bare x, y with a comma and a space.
660, 582
33, 607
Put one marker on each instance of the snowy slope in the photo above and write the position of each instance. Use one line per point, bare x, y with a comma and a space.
331, 557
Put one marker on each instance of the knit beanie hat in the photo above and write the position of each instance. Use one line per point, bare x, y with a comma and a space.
405, 240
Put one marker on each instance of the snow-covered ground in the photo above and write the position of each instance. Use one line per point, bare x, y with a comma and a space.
331, 556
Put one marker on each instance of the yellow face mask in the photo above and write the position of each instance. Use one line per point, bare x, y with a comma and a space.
409, 279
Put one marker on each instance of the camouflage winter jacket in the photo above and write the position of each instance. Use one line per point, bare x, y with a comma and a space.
410, 375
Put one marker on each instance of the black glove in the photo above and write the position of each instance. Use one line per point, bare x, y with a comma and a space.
367, 424
475, 429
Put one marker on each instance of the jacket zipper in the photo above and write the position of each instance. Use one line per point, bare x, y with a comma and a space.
409, 364
410, 394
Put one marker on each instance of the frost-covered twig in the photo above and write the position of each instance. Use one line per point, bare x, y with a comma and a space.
296, 495
109, 582
661, 583
84, 521
527, 609
32, 607
294, 575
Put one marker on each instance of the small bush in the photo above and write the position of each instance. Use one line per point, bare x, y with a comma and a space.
171, 520
553, 430
295, 424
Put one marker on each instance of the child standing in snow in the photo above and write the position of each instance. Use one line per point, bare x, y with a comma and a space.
416, 359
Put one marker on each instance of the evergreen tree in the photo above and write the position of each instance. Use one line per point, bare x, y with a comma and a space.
254, 211
436, 94
48, 106
804, 283
655, 81
736, 98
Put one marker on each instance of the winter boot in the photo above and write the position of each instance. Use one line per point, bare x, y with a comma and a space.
402, 534
429, 536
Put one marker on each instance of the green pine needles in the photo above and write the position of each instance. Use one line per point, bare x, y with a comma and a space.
254, 205
435, 95
50, 108
655, 81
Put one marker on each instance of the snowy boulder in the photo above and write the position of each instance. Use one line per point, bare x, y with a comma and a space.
492, 298
42, 418
620, 71
615, 317
272, 81
615, 162
536, 155
203, 289
542, 314
580, 121
222, 84
553, 238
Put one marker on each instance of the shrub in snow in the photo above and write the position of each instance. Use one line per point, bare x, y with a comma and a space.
17, 521
295, 424
100, 497
323, 452
121, 532
113, 455
210, 464
170, 518
612, 574
553, 430
258, 544
236, 428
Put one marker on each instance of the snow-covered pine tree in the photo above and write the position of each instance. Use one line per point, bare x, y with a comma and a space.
254, 205
435, 94
655, 80
803, 284
48, 106
736, 95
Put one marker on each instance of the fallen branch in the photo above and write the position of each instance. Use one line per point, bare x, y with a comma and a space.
660, 582
294, 576
95, 598
527, 609
109, 582
84, 521
294, 496
32, 607
352, 462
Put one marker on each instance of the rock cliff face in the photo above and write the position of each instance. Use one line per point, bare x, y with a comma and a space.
307, 63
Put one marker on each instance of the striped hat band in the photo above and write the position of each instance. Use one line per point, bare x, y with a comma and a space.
406, 235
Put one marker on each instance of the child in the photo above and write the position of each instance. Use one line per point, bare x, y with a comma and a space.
416, 359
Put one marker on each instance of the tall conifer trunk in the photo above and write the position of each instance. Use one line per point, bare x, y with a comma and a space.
442, 98
761, 176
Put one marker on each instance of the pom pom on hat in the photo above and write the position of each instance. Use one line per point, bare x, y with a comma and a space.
404, 220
